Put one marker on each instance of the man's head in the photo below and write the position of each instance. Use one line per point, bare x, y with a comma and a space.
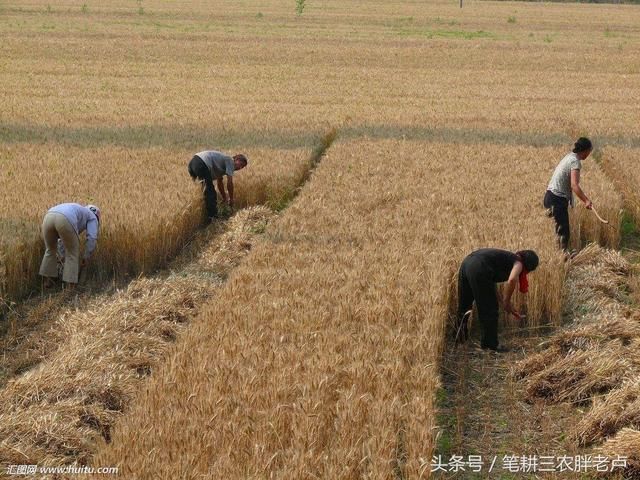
239, 161
582, 148
529, 259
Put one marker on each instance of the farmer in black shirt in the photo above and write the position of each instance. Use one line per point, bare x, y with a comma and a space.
479, 273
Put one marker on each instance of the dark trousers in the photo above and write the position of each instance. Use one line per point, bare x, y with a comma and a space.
199, 170
559, 207
473, 285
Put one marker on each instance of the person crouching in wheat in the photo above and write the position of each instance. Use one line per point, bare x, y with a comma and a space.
212, 165
61, 228
479, 273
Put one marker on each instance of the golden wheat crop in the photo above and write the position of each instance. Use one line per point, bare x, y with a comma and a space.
621, 165
127, 85
320, 355
150, 205
256, 67
310, 359
389, 258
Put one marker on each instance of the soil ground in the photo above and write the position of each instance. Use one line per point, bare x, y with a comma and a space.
484, 413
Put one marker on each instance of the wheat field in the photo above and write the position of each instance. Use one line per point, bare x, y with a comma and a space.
620, 165
319, 357
128, 85
294, 321
150, 205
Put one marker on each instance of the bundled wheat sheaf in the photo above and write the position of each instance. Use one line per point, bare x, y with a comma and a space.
626, 442
595, 360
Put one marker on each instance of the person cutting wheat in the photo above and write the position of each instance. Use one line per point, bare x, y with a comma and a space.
212, 165
61, 229
565, 181
478, 276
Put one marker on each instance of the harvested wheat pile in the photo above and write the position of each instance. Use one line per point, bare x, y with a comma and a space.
224, 252
611, 336
626, 443
598, 352
597, 358
50, 414
54, 414
580, 375
595, 284
619, 409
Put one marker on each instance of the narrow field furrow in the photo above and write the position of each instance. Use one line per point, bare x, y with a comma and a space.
320, 355
95, 358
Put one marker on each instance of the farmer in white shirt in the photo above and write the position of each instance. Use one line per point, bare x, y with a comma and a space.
211, 165
564, 183
66, 222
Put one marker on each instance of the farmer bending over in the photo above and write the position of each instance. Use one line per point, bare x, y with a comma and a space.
479, 273
565, 181
212, 165
65, 222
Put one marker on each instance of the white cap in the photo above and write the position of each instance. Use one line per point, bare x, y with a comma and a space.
95, 210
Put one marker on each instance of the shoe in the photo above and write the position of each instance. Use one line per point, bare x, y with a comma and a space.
498, 349
569, 255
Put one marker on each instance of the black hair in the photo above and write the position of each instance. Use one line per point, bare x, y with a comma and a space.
529, 259
582, 145
242, 158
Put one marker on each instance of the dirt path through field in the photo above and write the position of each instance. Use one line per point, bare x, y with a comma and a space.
485, 414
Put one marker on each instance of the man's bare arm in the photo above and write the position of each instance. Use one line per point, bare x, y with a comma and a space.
511, 286
575, 186
230, 190
221, 189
